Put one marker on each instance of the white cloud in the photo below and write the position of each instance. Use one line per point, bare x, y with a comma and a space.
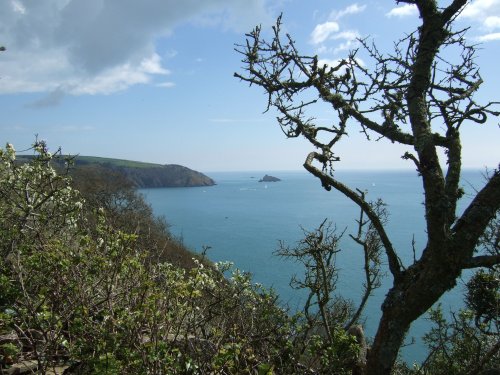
403, 11
101, 46
33, 70
351, 9
57, 76
485, 14
331, 30
346, 46
350, 38
323, 31
115, 79
492, 22
488, 37
347, 35
152, 65
480, 9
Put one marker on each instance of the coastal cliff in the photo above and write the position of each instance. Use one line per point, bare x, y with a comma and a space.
142, 175
170, 175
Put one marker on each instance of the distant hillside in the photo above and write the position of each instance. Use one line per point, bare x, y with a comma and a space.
145, 175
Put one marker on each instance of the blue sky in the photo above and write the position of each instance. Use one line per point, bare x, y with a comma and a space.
152, 80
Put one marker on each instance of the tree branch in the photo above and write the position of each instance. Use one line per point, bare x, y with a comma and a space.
473, 222
452, 10
337, 101
370, 241
328, 182
482, 261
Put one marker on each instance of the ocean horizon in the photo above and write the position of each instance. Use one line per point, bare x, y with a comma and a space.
243, 221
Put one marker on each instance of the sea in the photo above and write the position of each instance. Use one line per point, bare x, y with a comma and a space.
244, 221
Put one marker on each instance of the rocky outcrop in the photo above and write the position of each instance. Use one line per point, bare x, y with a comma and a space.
268, 178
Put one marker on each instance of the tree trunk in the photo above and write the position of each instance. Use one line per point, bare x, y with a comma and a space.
420, 287
390, 335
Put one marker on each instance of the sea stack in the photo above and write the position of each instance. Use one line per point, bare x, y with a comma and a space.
268, 178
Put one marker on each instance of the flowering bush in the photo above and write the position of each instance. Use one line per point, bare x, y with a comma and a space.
77, 290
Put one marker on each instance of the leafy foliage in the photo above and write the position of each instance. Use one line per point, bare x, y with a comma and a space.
81, 287
483, 298
459, 346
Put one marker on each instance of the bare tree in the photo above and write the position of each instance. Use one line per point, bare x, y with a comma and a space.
414, 96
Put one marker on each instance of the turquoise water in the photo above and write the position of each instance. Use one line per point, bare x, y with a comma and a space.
242, 221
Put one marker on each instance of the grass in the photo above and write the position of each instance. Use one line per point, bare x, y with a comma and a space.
116, 162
